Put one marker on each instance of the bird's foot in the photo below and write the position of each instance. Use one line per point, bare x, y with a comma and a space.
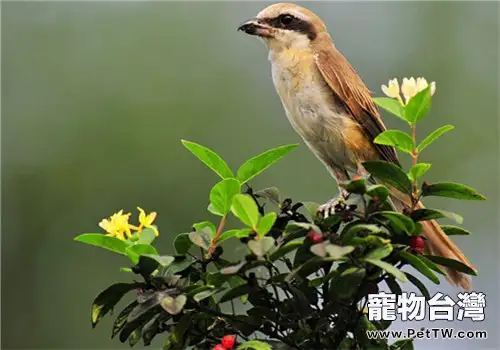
333, 205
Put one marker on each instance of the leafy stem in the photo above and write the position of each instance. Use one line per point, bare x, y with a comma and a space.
222, 223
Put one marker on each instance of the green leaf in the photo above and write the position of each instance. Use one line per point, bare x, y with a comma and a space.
389, 268
351, 230
266, 223
147, 236
345, 285
103, 241
121, 319
232, 269
178, 265
311, 208
433, 137
284, 250
393, 285
379, 191
107, 299
202, 239
454, 230
355, 186
162, 260
182, 243
245, 209
426, 214
391, 105
261, 246
400, 221
221, 195
228, 234
205, 294
213, 210
417, 283
418, 170
135, 251
451, 263
336, 251
389, 174
254, 344
451, 190
420, 266
431, 265
235, 292
379, 253
201, 225
173, 305
209, 158
418, 106
396, 138
258, 164
271, 194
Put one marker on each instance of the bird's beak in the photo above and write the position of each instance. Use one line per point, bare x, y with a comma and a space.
256, 27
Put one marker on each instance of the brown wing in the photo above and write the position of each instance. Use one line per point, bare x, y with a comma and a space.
348, 87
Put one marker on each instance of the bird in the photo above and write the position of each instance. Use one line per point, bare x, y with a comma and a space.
332, 109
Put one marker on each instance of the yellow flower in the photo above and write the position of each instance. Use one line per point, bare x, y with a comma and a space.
392, 90
117, 225
146, 220
411, 87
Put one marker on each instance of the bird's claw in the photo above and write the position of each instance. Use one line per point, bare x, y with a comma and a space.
333, 205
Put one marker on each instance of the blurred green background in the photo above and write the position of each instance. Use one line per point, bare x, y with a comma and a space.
96, 97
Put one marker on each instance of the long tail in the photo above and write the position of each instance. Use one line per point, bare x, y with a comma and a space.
438, 243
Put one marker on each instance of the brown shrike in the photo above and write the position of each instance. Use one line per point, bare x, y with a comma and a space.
330, 107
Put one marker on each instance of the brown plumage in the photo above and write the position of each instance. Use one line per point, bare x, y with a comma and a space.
330, 107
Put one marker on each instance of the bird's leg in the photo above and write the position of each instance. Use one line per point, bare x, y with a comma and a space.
328, 208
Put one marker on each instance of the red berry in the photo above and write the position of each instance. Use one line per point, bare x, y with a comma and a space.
357, 177
315, 237
417, 244
218, 347
228, 341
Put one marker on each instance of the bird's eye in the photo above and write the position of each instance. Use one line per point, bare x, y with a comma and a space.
286, 19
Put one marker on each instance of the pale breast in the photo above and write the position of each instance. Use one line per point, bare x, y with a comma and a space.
311, 108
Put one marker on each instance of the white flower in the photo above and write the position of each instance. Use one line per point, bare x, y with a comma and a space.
392, 90
411, 87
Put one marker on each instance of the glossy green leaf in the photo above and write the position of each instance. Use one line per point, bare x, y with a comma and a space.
235, 292
202, 239
389, 268
431, 265
271, 194
391, 105
347, 283
103, 241
396, 138
245, 208
451, 190
451, 263
182, 243
418, 106
454, 230
418, 170
173, 305
205, 294
261, 246
209, 158
228, 234
108, 298
379, 253
426, 214
259, 163
433, 137
355, 186
162, 260
147, 236
205, 224
379, 191
336, 251
389, 174
419, 265
266, 223
420, 286
286, 249
400, 221
351, 230
255, 345
135, 251
121, 319
222, 194
402, 344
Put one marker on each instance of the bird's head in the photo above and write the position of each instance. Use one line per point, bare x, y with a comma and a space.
285, 26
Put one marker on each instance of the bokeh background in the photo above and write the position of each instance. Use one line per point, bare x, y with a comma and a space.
96, 97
